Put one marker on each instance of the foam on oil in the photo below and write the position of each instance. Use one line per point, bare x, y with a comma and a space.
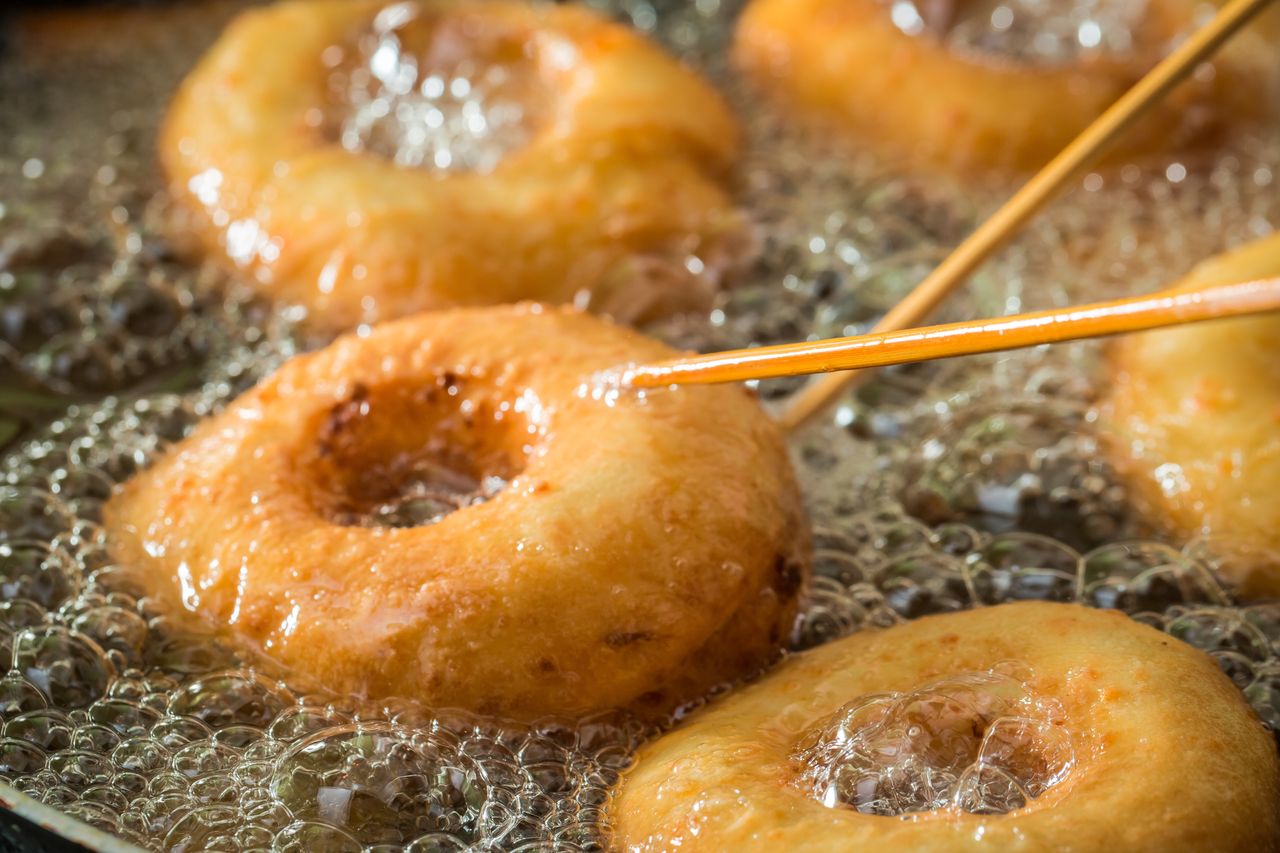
427, 96
935, 488
979, 742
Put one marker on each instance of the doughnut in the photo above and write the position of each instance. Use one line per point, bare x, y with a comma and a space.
1194, 417
1026, 726
588, 167
444, 511
919, 100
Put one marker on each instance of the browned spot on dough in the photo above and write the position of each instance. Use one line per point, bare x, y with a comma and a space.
652, 698
341, 416
787, 577
620, 639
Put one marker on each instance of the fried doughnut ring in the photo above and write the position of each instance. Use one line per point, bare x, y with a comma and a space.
847, 63
622, 166
1167, 754
646, 548
1195, 413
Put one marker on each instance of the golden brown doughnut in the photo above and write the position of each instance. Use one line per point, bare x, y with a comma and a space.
618, 171
846, 63
1164, 752
1195, 423
644, 548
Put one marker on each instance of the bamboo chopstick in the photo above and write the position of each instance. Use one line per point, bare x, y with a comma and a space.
880, 349
996, 231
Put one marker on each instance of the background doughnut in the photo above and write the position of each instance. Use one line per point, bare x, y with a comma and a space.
612, 182
1195, 413
1166, 754
643, 548
848, 64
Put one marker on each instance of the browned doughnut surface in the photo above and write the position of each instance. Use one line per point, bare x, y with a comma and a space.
1167, 755
846, 63
1195, 423
644, 548
619, 167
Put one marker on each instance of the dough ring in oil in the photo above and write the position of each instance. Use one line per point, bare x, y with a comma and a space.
1195, 424
645, 548
915, 99
607, 187
1133, 741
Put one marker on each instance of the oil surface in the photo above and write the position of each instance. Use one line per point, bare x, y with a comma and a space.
935, 488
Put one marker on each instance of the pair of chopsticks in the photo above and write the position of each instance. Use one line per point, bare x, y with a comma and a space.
892, 342
881, 349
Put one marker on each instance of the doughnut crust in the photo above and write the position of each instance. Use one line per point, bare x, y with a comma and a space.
623, 167
846, 64
1168, 755
1195, 414
646, 547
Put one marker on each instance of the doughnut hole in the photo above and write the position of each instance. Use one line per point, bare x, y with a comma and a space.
404, 455
454, 92
976, 742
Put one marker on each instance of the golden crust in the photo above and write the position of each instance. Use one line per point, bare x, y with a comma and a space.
627, 165
1195, 415
646, 549
1169, 757
845, 63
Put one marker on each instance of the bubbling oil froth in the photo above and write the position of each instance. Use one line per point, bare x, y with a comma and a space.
976, 742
